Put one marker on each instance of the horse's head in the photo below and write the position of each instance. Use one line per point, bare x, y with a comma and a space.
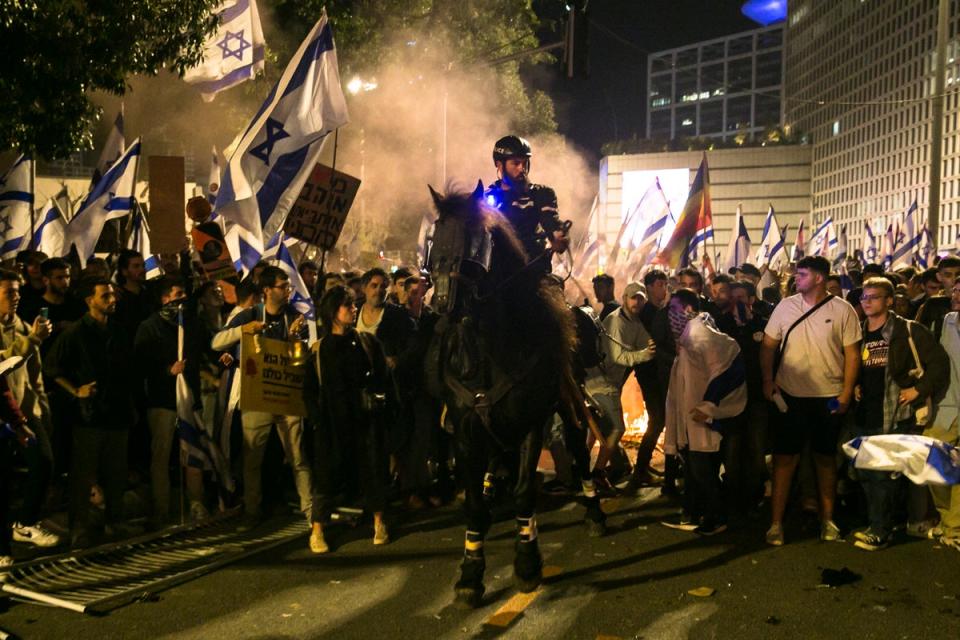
467, 234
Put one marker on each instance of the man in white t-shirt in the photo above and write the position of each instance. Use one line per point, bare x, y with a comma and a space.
815, 380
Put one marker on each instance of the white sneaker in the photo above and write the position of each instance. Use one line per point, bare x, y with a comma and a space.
829, 531
35, 534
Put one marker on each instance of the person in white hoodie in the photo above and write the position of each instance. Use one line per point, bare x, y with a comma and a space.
707, 386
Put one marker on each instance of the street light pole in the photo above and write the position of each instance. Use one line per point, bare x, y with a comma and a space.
936, 142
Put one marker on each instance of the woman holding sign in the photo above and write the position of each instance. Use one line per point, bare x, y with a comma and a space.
348, 396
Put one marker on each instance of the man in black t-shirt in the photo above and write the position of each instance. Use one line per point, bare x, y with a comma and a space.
888, 393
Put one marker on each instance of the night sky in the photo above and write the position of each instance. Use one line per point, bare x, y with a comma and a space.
610, 104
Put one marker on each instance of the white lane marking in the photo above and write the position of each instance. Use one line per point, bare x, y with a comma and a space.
676, 625
305, 611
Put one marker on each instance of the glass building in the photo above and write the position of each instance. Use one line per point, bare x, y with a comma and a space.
860, 78
717, 88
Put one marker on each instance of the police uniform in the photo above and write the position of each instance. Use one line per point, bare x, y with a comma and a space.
533, 214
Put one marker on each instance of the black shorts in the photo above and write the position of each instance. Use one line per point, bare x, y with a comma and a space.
806, 420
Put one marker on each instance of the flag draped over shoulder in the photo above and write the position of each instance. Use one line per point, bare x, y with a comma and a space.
49, 229
272, 159
738, 251
112, 198
233, 54
197, 449
16, 206
693, 223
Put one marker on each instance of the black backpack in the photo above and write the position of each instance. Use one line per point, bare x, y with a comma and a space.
589, 333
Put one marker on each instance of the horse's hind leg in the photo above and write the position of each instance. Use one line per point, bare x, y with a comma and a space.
527, 563
575, 439
472, 461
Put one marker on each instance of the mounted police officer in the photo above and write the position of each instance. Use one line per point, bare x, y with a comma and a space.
530, 208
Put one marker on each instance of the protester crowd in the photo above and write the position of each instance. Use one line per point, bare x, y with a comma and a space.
751, 382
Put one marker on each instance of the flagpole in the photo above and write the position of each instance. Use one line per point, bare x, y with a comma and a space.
33, 196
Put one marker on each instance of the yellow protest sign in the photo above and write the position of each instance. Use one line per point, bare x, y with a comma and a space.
271, 375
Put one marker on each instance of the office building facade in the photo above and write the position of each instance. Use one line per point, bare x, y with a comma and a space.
721, 88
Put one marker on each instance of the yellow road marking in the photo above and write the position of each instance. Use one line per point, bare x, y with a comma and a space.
512, 608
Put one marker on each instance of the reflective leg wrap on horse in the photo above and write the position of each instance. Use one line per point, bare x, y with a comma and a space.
469, 588
527, 564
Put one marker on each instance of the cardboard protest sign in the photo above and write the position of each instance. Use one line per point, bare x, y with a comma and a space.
318, 214
271, 375
166, 204
212, 249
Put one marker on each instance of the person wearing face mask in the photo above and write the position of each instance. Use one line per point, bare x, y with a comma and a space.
707, 387
155, 352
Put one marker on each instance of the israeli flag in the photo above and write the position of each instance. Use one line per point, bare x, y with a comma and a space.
300, 297
921, 459
273, 158
800, 244
48, 234
824, 239
16, 205
245, 248
869, 244
926, 253
112, 149
213, 179
139, 241
888, 245
233, 54
773, 249
112, 198
197, 448
738, 251
909, 247
840, 261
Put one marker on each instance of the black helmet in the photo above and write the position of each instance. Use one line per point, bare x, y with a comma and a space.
511, 147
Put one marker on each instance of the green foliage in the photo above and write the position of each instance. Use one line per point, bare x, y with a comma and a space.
59, 50
770, 137
431, 36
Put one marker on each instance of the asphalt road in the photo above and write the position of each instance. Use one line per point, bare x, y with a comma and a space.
633, 583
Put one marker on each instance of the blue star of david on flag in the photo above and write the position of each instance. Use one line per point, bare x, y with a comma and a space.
275, 132
233, 53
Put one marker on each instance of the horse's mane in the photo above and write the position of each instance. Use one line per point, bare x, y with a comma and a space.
517, 322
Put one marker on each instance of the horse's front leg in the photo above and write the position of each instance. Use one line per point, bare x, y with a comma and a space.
472, 460
527, 563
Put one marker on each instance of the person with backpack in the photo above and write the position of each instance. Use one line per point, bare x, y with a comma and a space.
902, 367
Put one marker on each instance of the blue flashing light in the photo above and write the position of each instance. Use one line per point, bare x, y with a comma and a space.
765, 12
492, 200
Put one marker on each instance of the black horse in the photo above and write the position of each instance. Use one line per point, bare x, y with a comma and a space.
499, 358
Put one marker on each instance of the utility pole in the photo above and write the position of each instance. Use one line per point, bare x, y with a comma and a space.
936, 143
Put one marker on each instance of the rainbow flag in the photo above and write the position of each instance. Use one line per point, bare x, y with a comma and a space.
695, 221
